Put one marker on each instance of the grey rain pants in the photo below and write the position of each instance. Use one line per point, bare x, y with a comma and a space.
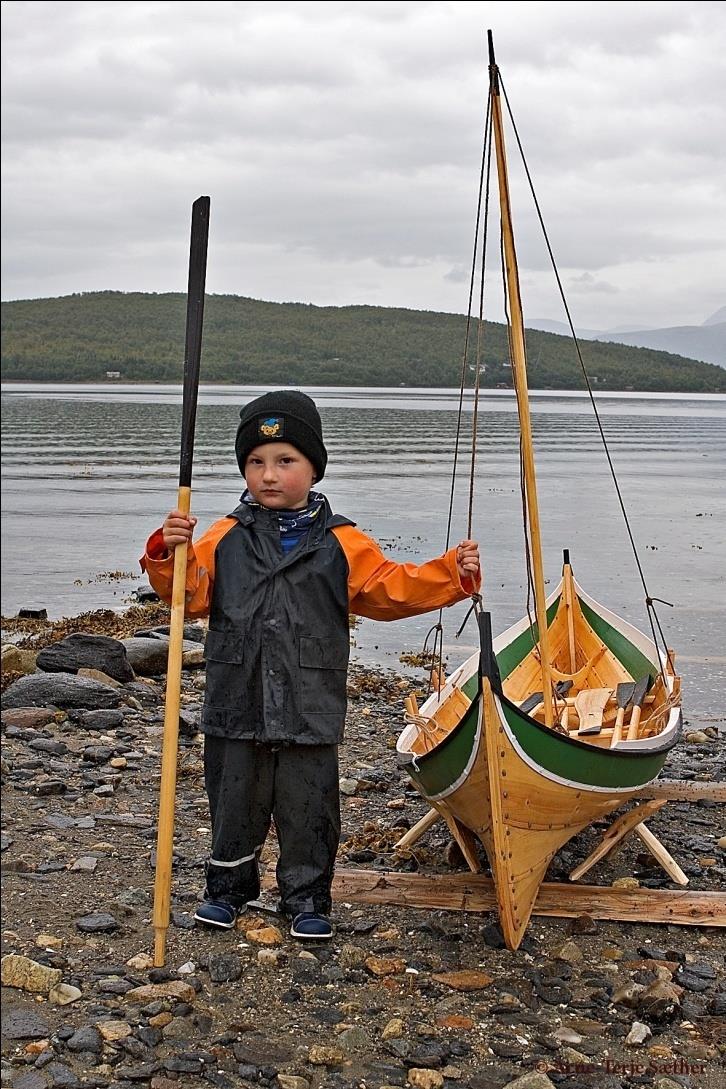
297, 785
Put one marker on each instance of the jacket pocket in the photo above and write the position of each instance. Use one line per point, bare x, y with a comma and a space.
323, 673
322, 653
225, 646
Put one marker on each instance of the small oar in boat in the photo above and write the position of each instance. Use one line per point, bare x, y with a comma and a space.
641, 688
623, 696
533, 702
590, 705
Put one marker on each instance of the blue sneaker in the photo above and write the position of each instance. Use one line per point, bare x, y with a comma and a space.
310, 927
217, 913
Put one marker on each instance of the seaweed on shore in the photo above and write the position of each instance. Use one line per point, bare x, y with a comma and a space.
36, 634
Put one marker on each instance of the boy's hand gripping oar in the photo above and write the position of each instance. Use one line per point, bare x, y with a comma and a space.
192, 354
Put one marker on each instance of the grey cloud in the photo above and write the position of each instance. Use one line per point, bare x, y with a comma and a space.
340, 143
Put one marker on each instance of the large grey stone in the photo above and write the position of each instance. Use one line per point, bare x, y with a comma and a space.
148, 657
62, 690
84, 651
108, 719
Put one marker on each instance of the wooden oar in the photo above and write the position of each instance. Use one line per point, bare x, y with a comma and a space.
639, 691
623, 696
590, 704
192, 355
535, 702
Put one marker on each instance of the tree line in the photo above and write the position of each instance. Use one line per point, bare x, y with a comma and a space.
139, 337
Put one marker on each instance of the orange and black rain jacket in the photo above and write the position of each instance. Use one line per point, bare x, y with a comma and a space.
278, 642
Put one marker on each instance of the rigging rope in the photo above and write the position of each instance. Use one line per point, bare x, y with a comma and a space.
484, 187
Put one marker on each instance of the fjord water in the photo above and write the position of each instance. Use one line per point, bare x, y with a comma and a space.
90, 471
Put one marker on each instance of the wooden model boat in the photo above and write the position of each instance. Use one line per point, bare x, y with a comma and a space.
538, 736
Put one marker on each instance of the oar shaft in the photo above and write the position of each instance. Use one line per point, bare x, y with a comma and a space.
167, 792
167, 789
634, 723
618, 730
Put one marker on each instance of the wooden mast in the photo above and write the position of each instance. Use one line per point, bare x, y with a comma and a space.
519, 363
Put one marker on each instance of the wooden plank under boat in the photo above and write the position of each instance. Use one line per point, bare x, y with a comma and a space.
523, 788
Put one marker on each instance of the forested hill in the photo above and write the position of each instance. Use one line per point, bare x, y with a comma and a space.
79, 338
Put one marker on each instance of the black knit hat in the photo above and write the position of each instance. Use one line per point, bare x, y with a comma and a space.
283, 416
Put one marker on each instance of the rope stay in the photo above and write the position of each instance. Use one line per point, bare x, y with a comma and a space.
478, 257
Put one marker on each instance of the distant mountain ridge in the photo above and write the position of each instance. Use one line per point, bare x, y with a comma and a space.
139, 337
705, 343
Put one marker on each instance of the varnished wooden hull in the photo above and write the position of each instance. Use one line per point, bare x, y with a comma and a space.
522, 788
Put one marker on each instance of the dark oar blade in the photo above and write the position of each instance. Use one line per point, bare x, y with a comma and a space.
193, 343
640, 689
624, 694
531, 702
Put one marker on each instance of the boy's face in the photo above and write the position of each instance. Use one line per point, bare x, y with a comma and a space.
279, 476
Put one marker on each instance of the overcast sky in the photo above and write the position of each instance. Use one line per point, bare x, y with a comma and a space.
340, 146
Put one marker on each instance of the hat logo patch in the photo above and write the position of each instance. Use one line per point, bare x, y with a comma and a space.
272, 427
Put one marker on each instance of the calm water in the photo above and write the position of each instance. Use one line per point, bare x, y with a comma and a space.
89, 471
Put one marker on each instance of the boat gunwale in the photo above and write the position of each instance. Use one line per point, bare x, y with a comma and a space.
674, 729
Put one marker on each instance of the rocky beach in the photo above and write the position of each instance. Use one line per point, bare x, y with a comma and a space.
399, 997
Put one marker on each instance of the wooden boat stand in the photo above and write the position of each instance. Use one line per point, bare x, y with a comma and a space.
475, 892
695, 909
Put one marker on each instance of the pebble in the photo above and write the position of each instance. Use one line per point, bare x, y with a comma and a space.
661, 1001
183, 992
114, 1030
224, 967
638, 1034
140, 962
28, 975
87, 1038
393, 1030
49, 941
385, 966
321, 1055
570, 952
534, 1080
98, 923
565, 1035
265, 935
354, 1039
269, 958
422, 1078
86, 864
63, 994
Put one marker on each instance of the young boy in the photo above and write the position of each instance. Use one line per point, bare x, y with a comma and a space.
278, 578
